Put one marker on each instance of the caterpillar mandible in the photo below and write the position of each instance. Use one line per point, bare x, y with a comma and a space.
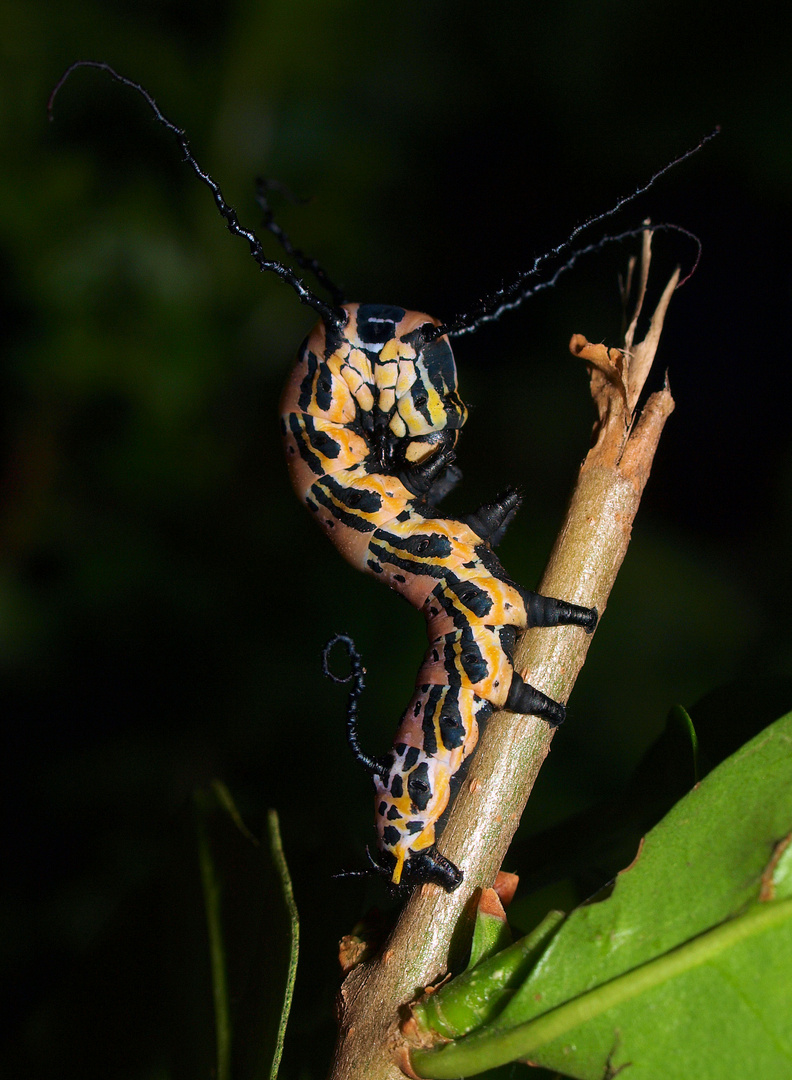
370, 418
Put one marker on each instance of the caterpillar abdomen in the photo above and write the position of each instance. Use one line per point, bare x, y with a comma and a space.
370, 419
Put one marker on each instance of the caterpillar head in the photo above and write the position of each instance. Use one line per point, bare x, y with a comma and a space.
402, 378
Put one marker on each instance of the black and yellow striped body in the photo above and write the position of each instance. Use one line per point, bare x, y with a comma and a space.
370, 418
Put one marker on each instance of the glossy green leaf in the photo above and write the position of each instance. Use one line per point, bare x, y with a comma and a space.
253, 934
576, 856
686, 969
477, 995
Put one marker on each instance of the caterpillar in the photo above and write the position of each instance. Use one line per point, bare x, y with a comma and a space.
370, 419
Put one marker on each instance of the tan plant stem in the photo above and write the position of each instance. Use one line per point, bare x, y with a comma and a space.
433, 929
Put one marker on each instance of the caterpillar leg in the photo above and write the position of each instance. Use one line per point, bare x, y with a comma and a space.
431, 475
547, 611
444, 484
527, 700
491, 521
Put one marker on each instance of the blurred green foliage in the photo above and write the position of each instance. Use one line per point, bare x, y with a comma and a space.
163, 599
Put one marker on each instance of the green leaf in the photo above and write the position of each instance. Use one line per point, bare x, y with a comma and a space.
253, 934
575, 857
686, 969
477, 995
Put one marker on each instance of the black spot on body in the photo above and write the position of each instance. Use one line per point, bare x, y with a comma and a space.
397, 786
414, 826
440, 364
420, 398
323, 443
394, 814
426, 546
390, 549
324, 389
305, 397
368, 502
474, 664
334, 335
508, 636
411, 757
303, 445
390, 835
475, 599
418, 787
452, 729
427, 724
330, 493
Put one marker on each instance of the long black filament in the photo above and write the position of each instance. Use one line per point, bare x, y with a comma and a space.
512, 295
357, 677
332, 317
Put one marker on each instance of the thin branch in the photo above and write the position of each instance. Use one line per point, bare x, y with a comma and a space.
434, 927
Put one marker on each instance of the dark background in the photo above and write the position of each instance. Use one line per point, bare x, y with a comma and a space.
163, 597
